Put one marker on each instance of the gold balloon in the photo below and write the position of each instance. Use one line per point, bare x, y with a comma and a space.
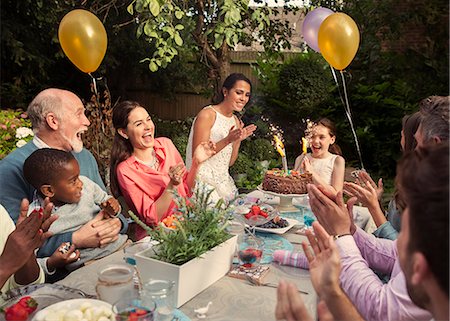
83, 39
338, 40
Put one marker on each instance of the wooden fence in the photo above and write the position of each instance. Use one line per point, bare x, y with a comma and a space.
188, 104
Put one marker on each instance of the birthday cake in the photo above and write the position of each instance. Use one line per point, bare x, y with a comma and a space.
279, 181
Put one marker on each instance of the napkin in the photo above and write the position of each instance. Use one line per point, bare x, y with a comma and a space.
297, 259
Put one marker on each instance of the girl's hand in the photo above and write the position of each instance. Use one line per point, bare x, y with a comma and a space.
176, 173
306, 165
204, 151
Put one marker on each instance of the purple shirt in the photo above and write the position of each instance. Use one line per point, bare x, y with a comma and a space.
374, 299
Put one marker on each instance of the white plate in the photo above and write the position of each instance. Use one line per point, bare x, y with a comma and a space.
70, 305
280, 230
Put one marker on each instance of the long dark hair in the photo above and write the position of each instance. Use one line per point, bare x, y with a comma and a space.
325, 122
121, 147
229, 83
410, 123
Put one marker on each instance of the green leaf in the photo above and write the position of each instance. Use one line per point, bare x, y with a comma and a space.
130, 8
218, 40
153, 67
178, 39
148, 28
179, 27
179, 14
154, 7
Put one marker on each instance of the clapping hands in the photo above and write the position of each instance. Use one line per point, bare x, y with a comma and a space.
204, 151
241, 133
176, 173
324, 261
30, 233
111, 207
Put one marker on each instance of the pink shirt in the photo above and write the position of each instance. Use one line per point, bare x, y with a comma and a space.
141, 185
373, 299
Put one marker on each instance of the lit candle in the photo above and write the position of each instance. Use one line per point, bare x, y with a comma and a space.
280, 148
304, 145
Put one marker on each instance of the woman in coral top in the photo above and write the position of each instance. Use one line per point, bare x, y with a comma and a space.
146, 170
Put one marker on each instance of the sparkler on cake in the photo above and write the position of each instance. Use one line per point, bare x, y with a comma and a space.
304, 145
280, 148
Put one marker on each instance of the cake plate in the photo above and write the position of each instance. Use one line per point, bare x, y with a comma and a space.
285, 204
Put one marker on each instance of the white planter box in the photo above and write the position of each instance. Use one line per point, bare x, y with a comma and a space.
192, 277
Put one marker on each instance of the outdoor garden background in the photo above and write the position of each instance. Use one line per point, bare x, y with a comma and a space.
403, 57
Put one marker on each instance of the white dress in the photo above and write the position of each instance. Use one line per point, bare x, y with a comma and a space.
323, 166
214, 172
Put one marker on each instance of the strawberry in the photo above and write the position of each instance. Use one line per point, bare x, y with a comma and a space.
256, 209
249, 215
264, 214
16, 312
28, 303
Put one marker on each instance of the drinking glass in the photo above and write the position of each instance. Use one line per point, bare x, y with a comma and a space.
114, 282
162, 293
134, 308
250, 251
308, 217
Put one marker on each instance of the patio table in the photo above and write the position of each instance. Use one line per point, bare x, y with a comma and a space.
232, 298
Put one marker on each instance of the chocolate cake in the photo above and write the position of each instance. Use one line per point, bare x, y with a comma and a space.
279, 181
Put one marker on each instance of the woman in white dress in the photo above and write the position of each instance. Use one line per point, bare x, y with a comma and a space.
218, 124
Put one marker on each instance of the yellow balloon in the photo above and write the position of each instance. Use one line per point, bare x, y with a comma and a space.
83, 39
338, 40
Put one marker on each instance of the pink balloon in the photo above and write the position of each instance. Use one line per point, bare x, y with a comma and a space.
311, 26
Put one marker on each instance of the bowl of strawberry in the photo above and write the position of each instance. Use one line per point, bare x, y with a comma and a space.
254, 215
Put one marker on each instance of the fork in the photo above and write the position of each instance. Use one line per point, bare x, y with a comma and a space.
270, 285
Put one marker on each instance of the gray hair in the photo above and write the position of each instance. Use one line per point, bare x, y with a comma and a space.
435, 122
47, 101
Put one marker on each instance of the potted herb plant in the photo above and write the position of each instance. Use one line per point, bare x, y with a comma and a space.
194, 255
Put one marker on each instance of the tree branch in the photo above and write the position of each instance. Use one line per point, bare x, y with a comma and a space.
200, 39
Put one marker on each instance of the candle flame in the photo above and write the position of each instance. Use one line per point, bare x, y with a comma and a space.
279, 145
304, 145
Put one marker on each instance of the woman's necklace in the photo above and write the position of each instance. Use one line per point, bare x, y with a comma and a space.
154, 163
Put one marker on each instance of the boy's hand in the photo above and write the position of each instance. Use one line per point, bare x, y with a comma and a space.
111, 207
63, 255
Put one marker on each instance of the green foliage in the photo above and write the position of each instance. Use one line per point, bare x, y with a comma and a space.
15, 130
210, 29
255, 157
200, 227
303, 84
29, 46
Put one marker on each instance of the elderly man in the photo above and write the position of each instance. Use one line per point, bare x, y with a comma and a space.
58, 120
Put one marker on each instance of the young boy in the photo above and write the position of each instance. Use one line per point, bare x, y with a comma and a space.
77, 200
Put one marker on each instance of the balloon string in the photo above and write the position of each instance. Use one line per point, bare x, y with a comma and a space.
349, 116
94, 83
347, 110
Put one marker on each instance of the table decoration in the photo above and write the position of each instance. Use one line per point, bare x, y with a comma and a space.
195, 254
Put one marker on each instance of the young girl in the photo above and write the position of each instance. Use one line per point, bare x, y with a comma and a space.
324, 162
